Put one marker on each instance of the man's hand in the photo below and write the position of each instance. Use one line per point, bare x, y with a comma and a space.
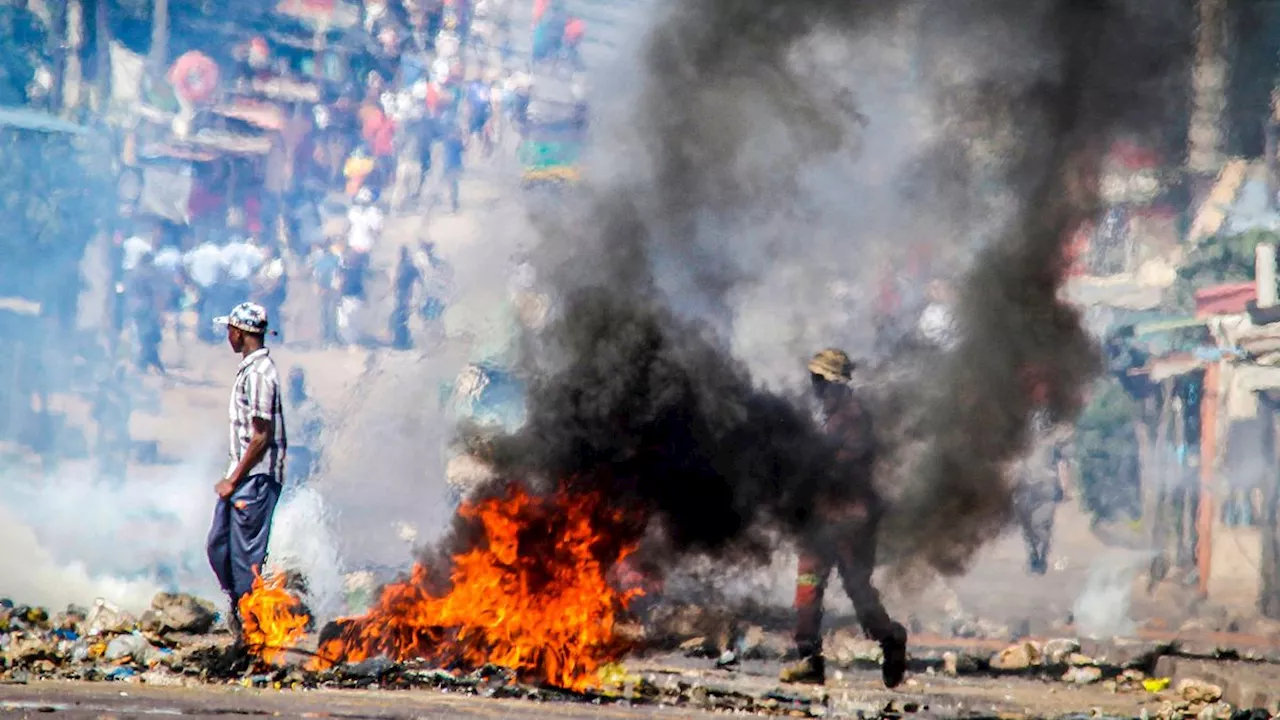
224, 488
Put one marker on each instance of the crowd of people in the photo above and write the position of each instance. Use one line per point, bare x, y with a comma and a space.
443, 87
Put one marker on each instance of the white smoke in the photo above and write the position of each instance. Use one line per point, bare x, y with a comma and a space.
1102, 609
69, 539
303, 539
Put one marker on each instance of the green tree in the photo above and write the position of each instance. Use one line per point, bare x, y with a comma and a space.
23, 46
1107, 448
55, 189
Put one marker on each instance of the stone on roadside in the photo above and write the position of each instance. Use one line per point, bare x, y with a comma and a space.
757, 643
1194, 690
1017, 657
954, 664
1217, 711
1057, 651
1085, 675
847, 648
179, 612
1078, 659
694, 645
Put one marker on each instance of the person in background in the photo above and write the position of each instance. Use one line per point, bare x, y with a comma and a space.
455, 148
241, 258
357, 170
355, 265
248, 492
377, 130
1038, 487
271, 285
365, 219
437, 285
408, 277
134, 248
203, 267
306, 416
169, 272
326, 267
479, 105
146, 295
574, 30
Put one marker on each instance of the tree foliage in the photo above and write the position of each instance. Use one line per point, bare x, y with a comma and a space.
1107, 447
23, 46
1219, 259
54, 190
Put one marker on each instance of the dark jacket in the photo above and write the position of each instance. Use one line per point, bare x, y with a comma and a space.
848, 424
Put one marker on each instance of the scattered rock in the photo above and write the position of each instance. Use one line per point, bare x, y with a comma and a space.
694, 645
1078, 659
1194, 690
179, 613
954, 664
756, 643
950, 664
847, 648
1085, 675
1218, 711
1017, 657
1057, 651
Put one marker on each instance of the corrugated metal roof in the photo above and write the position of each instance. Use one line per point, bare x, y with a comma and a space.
25, 118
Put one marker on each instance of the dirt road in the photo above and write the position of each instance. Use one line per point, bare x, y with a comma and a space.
848, 693
90, 700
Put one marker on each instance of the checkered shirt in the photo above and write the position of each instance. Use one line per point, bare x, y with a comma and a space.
256, 393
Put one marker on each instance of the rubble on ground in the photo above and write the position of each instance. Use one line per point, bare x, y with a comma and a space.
181, 640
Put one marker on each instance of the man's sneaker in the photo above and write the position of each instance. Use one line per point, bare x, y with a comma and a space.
895, 656
810, 669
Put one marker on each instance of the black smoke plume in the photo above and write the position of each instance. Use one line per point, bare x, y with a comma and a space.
635, 393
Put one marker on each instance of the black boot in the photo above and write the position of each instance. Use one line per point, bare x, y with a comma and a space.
895, 656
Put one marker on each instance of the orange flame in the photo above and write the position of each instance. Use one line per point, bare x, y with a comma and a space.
273, 618
535, 602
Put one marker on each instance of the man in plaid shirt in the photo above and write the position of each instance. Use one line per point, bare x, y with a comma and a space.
247, 494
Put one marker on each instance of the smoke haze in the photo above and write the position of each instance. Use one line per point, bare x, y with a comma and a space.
748, 122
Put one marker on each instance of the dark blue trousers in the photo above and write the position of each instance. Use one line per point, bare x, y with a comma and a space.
241, 527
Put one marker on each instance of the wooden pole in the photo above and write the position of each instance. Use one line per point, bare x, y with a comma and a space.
59, 52
1208, 474
1272, 149
159, 55
72, 74
102, 45
1269, 564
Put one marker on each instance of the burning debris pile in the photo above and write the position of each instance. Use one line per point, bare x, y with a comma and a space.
532, 595
274, 620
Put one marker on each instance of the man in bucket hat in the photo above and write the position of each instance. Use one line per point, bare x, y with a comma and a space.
843, 537
247, 494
